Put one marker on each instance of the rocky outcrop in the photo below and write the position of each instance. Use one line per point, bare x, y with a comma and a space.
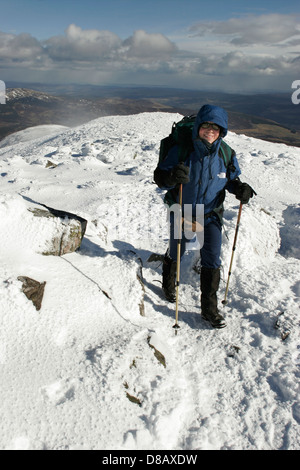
69, 232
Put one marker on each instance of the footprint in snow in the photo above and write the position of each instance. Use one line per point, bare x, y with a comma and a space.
59, 392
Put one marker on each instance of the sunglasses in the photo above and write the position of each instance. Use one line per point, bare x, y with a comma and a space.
207, 125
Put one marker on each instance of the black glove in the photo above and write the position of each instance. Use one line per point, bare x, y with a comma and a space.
244, 192
179, 174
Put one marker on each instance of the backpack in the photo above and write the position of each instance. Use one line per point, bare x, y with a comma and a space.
181, 135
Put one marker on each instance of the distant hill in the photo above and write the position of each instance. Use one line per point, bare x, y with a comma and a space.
26, 108
268, 117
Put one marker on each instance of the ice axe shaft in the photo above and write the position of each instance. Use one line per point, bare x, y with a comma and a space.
224, 302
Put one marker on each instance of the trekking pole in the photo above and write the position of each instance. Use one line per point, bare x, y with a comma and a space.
224, 302
176, 326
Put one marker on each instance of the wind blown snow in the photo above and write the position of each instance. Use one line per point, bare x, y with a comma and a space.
99, 366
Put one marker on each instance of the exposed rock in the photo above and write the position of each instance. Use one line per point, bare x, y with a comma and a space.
69, 234
130, 397
50, 164
33, 290
283, 325
159, 356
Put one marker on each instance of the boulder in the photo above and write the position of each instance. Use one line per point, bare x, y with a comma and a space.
70, 230
30, 227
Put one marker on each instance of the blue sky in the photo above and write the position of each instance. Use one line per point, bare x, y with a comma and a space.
231, 45
45, 18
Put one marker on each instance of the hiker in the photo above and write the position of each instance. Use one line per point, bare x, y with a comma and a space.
204, 178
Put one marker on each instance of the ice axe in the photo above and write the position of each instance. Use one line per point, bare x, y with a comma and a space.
224, 302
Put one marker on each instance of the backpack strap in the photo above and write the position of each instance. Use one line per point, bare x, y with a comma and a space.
226, 152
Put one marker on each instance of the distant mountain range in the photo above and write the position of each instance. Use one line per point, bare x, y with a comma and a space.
271, 117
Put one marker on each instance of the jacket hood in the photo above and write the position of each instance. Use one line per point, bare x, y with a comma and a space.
214, 114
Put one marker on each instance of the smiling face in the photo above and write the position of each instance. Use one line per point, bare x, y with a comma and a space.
207, 132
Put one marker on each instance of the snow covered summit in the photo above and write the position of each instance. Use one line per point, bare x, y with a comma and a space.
83, 372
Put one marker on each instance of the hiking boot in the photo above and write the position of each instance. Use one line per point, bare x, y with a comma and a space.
209, 281
169, 276
214, 318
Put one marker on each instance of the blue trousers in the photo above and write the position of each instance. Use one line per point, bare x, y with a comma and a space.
211, 249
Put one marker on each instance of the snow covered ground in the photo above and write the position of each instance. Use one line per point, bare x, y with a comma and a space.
83, 372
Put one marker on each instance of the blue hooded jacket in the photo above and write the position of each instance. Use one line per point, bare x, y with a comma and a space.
209, 176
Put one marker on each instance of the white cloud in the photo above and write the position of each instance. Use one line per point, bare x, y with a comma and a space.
264, 29
79, 45
144, 45
89, 45
22, 47
258, 53
82, 45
